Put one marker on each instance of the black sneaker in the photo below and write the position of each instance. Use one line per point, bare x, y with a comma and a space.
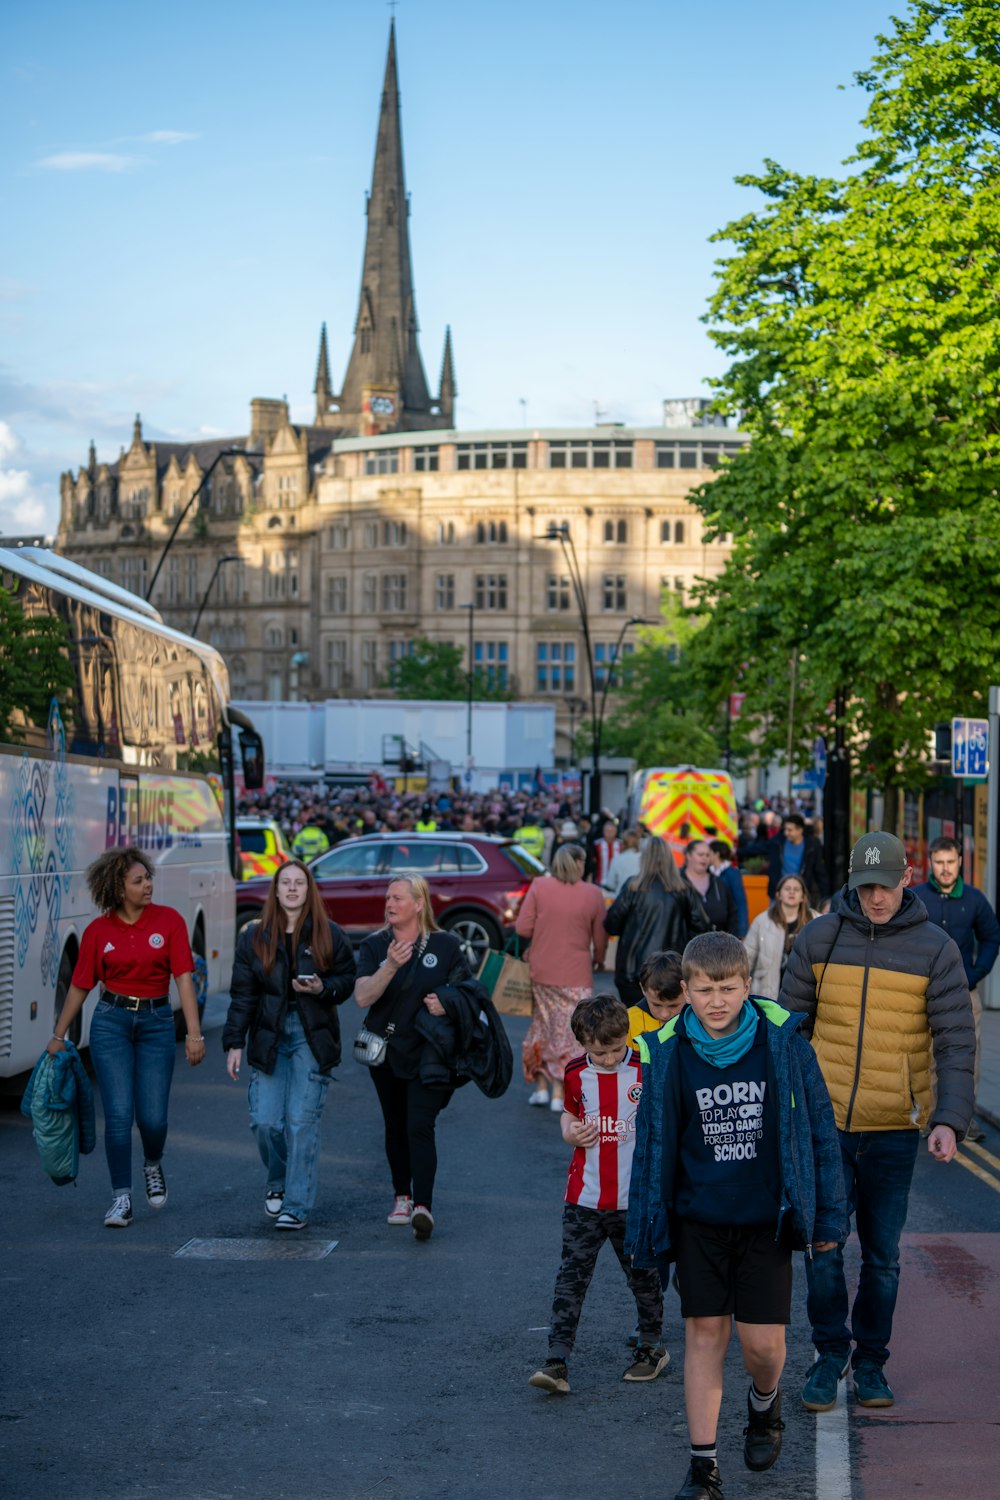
649, 1360
762, 1436
156, 1184
704, 1482
553, 1376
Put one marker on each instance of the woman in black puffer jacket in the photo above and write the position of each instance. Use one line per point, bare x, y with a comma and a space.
652, 912
292, 969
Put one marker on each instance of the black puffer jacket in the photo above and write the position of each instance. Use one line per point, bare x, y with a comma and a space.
647, 922
258, 1000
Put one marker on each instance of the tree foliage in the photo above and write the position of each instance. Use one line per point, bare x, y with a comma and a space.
33, 666
435, 670
861, 318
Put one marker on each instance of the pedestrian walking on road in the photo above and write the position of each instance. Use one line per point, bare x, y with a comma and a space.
881, 987
725, 869
562, 916
772, 934
651, 912
292, 969
602, 1093
661, 982
409, 970
132, 949
736, 1164
795, 851
966, 915
711, 899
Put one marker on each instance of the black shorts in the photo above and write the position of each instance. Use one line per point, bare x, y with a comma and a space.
733, 1270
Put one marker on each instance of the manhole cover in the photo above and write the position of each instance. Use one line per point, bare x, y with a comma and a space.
256, 1249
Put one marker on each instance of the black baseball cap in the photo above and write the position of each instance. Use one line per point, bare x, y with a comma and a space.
876, 859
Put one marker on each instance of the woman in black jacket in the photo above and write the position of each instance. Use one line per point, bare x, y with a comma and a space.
407, 971
292, 969
711, 899
651, 912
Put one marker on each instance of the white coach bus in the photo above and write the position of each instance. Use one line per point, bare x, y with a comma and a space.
133, 745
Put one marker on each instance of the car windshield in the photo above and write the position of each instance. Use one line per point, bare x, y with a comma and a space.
526, 863
347, 860
253, 840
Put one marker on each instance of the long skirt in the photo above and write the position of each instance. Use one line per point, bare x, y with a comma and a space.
550, 1044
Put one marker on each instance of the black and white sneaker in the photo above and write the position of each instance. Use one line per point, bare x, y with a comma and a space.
289, 1221
273, 1199
119, 1215
156, 1184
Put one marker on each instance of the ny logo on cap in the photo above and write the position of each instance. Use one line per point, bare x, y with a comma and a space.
871, 855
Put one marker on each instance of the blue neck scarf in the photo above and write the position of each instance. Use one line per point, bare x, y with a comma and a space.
722, 1051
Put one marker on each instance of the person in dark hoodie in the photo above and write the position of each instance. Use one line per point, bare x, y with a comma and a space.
881, 987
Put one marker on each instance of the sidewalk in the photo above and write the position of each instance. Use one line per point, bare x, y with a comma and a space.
988, 1101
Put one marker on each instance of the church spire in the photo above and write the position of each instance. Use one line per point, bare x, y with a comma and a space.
448, 389
385, 387
323, 392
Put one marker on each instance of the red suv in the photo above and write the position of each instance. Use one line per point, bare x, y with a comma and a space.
477, 884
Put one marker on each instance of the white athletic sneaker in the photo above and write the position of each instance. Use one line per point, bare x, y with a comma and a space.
402, 1211
119, 1215
539, 1097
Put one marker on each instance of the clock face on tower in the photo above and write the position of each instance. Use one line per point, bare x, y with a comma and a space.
382, 406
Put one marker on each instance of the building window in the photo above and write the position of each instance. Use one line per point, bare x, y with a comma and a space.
133, 575
173, 580
491, 456
366, 340
338, 536
557, 593
679, 533
616, 532
446, 533
369, 665
491, 591
276, 575
398, 651
394, 592
369, 534
590, 455
274, 637
491, 532
555, 666
444, 591
605, 659
336, 595
695, 455
336, 665
426, 460
613, 596
369, 594
492, 659
191, 589
382, 461
238, 676
394, 533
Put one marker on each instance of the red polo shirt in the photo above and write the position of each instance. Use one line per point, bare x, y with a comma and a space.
137, 958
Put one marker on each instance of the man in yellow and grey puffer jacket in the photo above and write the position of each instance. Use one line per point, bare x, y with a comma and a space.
880, 987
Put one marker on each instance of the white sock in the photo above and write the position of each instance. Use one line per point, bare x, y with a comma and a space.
761, 1400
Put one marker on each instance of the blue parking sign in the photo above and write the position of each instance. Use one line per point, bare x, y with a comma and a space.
970, 740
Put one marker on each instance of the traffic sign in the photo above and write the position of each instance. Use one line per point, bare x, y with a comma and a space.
970, 740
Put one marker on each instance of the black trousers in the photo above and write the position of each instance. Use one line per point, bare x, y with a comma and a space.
410, 1110
584, 1232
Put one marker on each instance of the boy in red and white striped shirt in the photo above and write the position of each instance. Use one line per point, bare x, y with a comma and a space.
602, 1096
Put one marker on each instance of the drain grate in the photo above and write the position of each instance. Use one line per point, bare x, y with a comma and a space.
256, 1249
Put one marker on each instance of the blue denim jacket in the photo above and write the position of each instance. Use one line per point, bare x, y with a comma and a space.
812, 1175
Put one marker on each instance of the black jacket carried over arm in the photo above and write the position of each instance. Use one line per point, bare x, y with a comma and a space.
258, 1001
647, 922
467, 1042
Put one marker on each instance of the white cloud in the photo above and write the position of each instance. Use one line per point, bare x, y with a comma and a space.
88, 161
169, 137
21, 509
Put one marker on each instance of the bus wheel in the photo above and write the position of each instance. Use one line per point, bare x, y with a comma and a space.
63, 981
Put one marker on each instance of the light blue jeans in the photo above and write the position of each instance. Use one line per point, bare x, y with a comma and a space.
286, 1107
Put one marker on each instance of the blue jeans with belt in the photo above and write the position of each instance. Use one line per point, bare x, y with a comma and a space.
286, 1107
878, 1170
133, 1053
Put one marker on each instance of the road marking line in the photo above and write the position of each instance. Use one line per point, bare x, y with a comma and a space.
994, 1161
977, 1171
833, 1451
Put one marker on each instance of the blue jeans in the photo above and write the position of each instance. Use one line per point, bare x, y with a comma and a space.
286, 1107
878, 1170
133, 1053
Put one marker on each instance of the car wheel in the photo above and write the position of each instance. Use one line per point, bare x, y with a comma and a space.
477, 935
245, 916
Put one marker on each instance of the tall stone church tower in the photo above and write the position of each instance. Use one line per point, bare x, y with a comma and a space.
385, 388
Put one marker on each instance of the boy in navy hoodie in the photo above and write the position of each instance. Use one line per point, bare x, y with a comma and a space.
736, 1164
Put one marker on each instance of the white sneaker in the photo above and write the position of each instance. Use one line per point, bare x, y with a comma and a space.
540, 1097
402, 1211
557, 1106
119, 1215
423, 1222
273, 1201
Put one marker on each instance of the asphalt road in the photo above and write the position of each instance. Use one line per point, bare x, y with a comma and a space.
385, 1369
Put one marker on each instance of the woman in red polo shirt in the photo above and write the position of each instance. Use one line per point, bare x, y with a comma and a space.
133, 950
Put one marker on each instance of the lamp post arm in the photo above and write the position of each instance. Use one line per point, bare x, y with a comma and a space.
204, 597
227, 453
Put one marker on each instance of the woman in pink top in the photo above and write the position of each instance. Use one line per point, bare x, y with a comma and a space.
564, 918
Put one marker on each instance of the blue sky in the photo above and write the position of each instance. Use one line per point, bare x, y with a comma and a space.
183, 201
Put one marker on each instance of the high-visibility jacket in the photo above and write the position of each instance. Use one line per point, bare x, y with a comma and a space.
310, 842
532, 838
426, 826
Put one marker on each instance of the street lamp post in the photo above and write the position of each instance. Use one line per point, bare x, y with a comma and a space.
230, 557
561, 534
615, 653
226, 453
469, 679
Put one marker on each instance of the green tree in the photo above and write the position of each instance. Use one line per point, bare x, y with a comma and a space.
863, 327
33, 666
435, 669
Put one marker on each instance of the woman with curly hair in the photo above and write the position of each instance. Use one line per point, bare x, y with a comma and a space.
132, 949
292, 969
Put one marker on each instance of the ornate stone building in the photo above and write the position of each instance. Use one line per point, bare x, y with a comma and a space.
313, 555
